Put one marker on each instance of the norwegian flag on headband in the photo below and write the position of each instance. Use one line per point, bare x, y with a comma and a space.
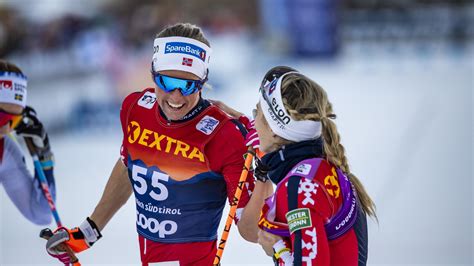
6, 84
187, 62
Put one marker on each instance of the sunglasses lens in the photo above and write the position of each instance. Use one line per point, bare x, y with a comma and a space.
169, 84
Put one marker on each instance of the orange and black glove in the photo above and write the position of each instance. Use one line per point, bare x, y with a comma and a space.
78, 239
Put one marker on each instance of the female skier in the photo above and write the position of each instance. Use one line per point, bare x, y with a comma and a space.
181, 157
317, 215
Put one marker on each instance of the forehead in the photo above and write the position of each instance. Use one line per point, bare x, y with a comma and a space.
179, 74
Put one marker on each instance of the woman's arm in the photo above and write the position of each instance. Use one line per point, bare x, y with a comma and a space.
248, 223
116, 193
267, 240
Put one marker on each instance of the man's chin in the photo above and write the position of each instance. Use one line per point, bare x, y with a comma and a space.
175, 115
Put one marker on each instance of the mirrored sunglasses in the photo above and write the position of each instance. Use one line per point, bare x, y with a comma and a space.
169, 84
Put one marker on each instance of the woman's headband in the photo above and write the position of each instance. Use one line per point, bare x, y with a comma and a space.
181, 53
13, 88
281, 123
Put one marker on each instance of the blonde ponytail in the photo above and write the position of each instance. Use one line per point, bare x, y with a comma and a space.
335, 153
304, 99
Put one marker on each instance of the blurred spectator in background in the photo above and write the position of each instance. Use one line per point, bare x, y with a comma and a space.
107, 41
12, 33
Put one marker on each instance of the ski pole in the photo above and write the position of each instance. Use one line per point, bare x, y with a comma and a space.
46, 233
43, 181
233, 208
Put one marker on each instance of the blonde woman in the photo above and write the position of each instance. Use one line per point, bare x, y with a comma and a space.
317, 215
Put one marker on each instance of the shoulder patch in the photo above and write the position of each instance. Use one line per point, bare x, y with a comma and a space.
302, 169
298, 219
207, 124
147, 100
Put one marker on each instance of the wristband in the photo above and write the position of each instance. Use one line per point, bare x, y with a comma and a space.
47, 164
282, 252
90, 230
278, 254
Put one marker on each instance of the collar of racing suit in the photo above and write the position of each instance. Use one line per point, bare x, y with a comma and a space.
282, 160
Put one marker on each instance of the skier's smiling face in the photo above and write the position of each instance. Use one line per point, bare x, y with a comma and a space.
173, 104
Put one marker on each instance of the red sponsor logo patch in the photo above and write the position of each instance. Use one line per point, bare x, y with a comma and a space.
6, 84
187, 61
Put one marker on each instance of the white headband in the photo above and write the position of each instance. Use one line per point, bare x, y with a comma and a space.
279, 120
13, 88
181, 53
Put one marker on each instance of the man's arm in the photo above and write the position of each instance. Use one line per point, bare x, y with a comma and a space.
116, 193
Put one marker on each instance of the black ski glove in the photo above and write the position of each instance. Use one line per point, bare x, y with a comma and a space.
31, 128
260, 170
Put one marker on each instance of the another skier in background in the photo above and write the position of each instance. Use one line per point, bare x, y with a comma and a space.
181, 156
22, 188
317, 215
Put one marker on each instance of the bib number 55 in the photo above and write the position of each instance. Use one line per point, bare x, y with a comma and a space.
158, 191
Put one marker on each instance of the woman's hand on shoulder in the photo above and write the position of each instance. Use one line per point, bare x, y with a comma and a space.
229, 110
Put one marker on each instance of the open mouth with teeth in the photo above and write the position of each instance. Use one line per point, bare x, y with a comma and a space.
174, 106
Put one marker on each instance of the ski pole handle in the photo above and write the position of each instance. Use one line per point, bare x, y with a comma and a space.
46, 234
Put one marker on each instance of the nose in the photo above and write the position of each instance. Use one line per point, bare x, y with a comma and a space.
175, 94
